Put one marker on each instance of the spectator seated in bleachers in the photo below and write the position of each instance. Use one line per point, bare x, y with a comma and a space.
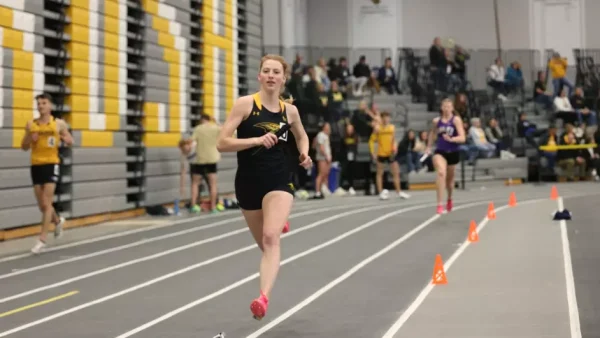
591, 156
571, 161
540, 94
513, 79
563, 109
584, 113
298, 67
420, 147
410, 150
558, 69
341, 74
461, 108
321, 74
495, 136
528, 130
549, 138
361, 75
496, 78
387, 77
481, 146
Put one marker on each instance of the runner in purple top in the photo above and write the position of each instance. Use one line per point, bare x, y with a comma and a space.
450, 132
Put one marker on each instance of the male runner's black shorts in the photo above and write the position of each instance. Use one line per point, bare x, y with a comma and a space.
45, 173
250, 190
452, 158
203, 169
385, 159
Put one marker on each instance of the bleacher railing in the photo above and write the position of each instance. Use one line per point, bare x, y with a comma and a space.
480, 60
310, 54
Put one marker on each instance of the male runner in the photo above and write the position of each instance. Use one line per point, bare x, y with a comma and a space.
43, 136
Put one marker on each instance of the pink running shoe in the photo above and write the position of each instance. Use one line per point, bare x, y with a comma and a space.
259, 306
286, 227
449, 205
440, 209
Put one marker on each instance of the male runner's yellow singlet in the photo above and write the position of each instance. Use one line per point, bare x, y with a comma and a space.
383, 138
45, 149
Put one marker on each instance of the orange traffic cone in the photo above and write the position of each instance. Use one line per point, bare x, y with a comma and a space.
491, 214
473, 235
439, 275
554, 193
512, 200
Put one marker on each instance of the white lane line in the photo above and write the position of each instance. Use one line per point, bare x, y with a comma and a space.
570, 280
135, 231
159, 238
215, 259
119, 234
191, 245
289, 260
425, 292
348, 274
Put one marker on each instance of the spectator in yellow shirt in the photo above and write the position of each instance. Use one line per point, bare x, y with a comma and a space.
385, 138
558, 69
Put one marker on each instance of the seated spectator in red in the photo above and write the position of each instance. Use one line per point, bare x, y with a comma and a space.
387, 77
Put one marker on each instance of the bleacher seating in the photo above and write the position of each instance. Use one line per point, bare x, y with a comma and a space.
129, 78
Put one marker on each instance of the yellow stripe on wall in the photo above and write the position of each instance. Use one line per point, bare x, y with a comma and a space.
161, 140
96, 138
226, 44
172, 57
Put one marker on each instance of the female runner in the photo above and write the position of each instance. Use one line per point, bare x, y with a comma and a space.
262, 182
450, 132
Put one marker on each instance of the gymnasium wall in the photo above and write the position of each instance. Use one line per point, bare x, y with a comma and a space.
129, 77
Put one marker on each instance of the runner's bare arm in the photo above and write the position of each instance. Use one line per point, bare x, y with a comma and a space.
298, 129
226, 141
63, 130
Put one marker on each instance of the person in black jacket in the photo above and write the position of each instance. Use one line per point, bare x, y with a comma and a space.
406, 153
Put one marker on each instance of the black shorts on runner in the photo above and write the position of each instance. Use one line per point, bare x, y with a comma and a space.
45, 173
203, 169
250, 190
384, 159
452, 158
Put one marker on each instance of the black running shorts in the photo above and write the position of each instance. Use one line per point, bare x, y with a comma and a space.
45, 173
251, 189
452, 158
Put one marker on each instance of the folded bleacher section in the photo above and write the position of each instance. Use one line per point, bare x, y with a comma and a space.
129, 77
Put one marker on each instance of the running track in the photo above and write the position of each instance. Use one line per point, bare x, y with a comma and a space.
352, 267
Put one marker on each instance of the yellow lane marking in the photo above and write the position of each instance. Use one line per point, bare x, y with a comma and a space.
44, 302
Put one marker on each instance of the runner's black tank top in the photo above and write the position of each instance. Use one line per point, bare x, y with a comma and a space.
267, 162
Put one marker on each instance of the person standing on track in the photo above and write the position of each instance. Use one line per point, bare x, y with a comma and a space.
43, 136
450, 133
262, 182
385, 138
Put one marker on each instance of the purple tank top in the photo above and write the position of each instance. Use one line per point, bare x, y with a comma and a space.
448, 129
